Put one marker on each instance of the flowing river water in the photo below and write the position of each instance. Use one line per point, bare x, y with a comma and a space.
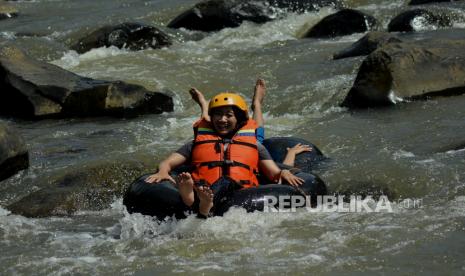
406, 150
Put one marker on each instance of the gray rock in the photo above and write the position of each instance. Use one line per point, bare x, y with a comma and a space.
409, 71
423, 19
344, 22
36, 89
214, 15
367, 44
7, 11
133, 36
14, 155
91, 187
453, 146
421, 2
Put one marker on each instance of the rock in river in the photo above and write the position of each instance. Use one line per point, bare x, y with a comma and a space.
417, 70
82, 188
14, 155
214, 15
133, 36
423, 19
36, 89
367, 44
344, 22
7, 11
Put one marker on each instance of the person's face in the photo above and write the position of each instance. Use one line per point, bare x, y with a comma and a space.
224, 120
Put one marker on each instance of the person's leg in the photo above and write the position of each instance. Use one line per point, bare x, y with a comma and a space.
258, 96
205, 195
186, 188
199, 98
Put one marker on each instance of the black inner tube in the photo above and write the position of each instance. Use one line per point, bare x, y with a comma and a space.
163, 200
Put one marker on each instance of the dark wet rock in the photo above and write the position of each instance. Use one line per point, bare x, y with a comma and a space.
454, 146
14, 155
421, 2
422, 19
344, 22
117, 98
367, 44
409, 71
133, 36
214, 15
7, 11
91, 187
36, 89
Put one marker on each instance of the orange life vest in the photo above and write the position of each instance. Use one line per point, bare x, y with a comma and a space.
238, 162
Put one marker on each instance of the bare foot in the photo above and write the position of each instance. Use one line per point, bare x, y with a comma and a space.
199, 98
186, 188
205, 195
259, 93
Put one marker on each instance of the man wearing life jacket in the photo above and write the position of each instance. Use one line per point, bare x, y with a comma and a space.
224, 155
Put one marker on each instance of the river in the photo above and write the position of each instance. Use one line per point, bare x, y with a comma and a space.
395, 149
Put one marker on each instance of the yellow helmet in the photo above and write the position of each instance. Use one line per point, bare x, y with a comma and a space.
228, 99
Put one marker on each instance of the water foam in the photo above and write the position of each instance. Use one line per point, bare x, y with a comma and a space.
421, 23
402, 154
4, 212
453, 152
8, 35
72, 59
252, 35
393, 98
14, 226
458, 25
389, 5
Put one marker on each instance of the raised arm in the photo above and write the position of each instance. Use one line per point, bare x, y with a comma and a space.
165, 167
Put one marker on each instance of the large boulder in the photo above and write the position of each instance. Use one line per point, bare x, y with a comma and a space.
421, 2
36, 89
401, 71
91, 187
367, 44
343, 22
14, 155
133, 36
7, 11
423, 19
214, 15
452, 146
